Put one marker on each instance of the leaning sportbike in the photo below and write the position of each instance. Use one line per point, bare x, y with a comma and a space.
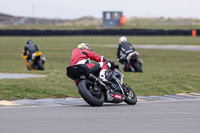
37, 61
95, 92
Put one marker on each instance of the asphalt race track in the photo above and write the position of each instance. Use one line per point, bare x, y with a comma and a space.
166, 47
19, 76
179, 116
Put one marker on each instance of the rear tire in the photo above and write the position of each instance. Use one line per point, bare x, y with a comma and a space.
40, 65
92, 97
137, 66
130, 96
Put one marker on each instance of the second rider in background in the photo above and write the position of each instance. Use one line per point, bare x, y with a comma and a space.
124, 52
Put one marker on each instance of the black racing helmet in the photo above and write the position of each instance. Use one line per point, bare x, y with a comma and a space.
29, 41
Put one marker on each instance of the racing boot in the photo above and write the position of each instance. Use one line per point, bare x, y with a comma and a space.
126, 67
102, 75
140, 61
29, 64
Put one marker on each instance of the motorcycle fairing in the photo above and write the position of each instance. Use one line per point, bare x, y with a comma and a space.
34, 55
116, 98
38, 53
28, 64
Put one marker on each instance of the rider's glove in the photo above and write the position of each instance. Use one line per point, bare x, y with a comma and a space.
108, 64
112, 63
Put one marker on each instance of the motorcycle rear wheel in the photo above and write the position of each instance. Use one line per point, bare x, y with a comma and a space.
137, 66
40, 65
130, 96
87, 92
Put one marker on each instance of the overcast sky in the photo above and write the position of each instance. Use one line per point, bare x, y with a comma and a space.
71, 9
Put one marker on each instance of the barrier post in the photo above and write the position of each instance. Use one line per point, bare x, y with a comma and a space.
194, 33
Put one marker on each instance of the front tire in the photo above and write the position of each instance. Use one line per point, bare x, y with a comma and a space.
87, 92
130, 96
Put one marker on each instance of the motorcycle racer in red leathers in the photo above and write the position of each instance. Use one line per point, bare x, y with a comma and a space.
83, 55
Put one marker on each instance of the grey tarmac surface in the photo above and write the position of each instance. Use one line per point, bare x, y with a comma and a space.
178, 116
166, 47
19, 76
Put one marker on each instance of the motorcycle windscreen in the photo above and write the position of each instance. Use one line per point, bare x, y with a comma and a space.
77, 72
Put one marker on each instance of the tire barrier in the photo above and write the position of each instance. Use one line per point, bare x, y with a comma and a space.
103, 32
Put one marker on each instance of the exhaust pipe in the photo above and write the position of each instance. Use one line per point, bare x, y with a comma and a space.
98, 80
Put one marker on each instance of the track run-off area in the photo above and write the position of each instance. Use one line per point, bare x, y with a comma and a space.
78, 101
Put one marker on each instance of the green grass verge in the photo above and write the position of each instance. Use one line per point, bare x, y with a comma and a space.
165, 71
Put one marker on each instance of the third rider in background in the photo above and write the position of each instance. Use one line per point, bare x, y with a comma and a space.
124, 53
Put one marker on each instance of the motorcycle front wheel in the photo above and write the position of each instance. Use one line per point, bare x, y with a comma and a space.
89, 94
130, 96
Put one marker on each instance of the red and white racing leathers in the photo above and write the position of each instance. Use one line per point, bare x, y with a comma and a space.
85, 56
